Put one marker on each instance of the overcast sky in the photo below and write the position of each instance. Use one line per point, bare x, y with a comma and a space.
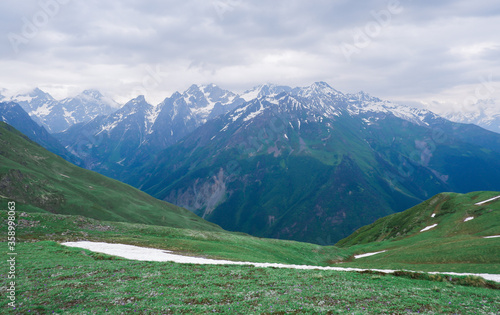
443, 54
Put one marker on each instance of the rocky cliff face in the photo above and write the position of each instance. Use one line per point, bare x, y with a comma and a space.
203, 196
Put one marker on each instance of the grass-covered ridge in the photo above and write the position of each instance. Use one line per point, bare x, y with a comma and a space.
44, 182
452, 244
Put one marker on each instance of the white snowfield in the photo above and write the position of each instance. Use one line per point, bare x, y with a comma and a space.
152, 254
468, 219
427, 228
486, 201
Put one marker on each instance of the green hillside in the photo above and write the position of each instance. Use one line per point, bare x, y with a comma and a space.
40, 181
214, 244
453, 244
61, 280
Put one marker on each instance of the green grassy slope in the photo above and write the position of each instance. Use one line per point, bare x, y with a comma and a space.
453, 244
44, 182
213, 244
55, 279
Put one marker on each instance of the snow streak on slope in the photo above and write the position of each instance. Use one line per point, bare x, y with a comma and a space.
368, 254
428, 228
486, 201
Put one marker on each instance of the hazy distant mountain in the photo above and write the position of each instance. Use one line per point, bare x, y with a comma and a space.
486, 114
12, 114
264, 90
57, 116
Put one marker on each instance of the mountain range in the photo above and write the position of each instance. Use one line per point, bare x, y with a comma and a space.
57, 116
12, 114
484, 113
309, 164
117, 143
313, 164
306, 163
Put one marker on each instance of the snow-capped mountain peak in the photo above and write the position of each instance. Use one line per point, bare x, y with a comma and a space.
317, 89
38, 104
321, 100
208, 101
32, 100
484, 113
139, 99
56, 115
37, 93
138, 104
364, 104
263, 90
363, 96
92, 94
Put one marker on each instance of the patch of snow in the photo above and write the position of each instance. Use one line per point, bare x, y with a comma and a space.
433, 215
175, 111
204, 111
152, 114
494, 236
187, 100
68, 114
225, 128
486, 201
273, 100
152, 254
144, 254
108, 127
239, 112
367, 121
428, 228
250, 95
64, 175
468, 219
368, 254
254, 114
42, 111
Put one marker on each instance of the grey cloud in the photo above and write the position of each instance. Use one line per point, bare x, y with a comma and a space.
427, 48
